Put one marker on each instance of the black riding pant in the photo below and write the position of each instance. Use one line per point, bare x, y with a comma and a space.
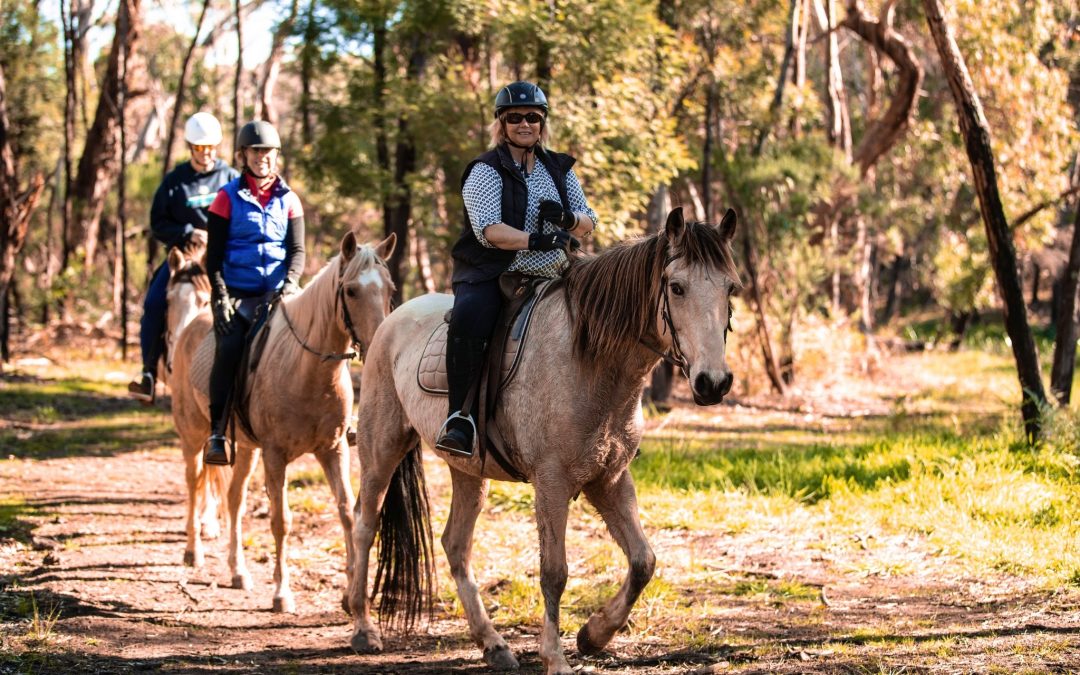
476, 310
228, 350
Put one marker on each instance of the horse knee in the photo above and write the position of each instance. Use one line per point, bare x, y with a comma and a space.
641, 569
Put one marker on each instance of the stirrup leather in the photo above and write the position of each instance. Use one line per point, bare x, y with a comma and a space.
442, 433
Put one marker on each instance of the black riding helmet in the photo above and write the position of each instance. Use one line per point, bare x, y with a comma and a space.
258, 134
518, 94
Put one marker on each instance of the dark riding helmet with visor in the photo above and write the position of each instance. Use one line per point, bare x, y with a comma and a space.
520, 94
258, 134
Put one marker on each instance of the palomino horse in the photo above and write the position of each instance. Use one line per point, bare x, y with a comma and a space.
188, 294
300, 400
571, 419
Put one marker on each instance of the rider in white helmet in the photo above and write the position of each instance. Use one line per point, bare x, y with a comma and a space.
178, 218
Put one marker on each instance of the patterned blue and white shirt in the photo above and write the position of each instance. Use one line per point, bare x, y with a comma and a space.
482, 194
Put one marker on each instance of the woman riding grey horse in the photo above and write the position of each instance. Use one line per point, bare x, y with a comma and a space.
523, 206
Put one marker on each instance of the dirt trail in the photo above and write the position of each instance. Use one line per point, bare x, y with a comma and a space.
107, 543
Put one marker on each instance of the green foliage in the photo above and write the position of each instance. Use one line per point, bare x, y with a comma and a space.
33, 70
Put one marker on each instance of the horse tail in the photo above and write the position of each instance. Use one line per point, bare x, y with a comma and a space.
406, 569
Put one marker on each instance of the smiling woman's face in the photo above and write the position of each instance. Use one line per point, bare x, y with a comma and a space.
261, 162
524, 133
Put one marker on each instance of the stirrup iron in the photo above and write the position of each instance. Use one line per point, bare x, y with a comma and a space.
442, 432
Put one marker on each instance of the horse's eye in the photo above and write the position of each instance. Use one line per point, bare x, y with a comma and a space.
676, 288
351, 292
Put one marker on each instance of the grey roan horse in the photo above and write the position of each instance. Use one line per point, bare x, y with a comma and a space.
572, 417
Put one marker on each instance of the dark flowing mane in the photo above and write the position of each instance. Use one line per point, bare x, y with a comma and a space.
614, 294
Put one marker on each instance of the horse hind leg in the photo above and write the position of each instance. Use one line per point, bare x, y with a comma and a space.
195, 476
617, 504
211, 527
335, 465
466, 503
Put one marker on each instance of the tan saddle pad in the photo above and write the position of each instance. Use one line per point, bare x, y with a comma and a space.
201, 364
431, 374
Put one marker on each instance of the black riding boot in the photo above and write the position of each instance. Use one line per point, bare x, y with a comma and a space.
222, 378
464, 361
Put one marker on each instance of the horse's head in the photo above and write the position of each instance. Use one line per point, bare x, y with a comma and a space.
188, 293
695, 302
365, 287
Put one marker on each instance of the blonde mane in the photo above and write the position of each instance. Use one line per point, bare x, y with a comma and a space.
614, 295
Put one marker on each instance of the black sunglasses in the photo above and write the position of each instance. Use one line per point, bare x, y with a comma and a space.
517, 118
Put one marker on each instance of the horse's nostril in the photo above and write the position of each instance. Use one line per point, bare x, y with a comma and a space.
725, 384
706, 385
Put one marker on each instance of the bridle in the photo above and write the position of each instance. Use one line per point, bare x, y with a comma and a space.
675, 355
350, 328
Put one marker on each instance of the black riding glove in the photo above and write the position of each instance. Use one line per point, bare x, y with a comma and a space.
553, 212
559, 240
222, 307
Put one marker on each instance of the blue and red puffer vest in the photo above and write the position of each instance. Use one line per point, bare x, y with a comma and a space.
255, 250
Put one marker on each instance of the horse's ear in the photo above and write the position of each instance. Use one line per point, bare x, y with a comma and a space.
727, 225
176, 259
348, 246
385, 249
676, 226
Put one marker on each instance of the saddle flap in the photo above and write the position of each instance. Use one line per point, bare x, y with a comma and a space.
431, 373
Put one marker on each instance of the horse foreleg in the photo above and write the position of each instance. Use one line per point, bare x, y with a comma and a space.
617, 504
236, 500
335, 465
280, 524
552, 505
465, 506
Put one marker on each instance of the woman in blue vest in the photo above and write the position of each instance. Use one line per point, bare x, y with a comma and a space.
255, 251
523, 208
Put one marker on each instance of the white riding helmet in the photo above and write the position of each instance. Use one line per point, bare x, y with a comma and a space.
202, 128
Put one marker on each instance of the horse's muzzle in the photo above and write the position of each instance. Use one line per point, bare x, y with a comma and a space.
710, 390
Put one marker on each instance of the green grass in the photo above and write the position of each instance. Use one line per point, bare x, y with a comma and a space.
64, 415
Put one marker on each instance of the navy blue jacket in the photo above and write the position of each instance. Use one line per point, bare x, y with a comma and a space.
474, 262
182, 201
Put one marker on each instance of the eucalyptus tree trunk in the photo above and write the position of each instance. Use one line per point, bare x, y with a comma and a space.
100, 160
307, 73
237, 105
272, 67
1061, 373
16, 207
170, 135
1002, 254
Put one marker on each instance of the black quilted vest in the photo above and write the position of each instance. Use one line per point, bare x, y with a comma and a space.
474, 262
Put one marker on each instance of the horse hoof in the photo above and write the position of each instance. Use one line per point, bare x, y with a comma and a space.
193, 559
500, 658
242, 582
365, 643
585, 644
285, 604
